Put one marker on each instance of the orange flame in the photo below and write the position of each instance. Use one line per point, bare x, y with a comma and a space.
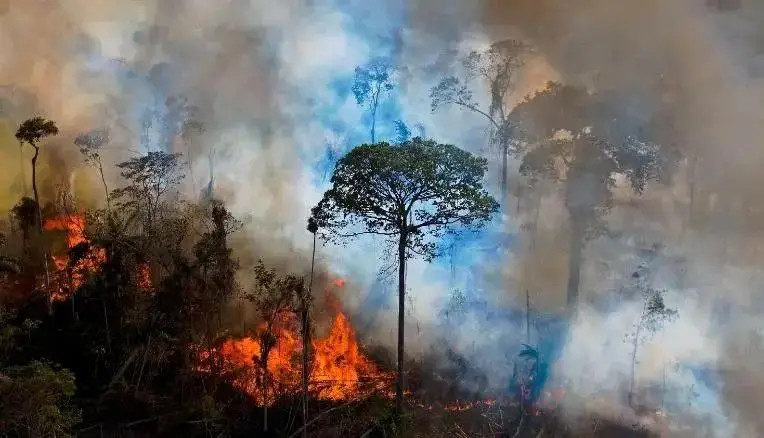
69, 278
339, 370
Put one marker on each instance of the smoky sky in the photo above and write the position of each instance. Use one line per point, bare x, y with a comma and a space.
270, 84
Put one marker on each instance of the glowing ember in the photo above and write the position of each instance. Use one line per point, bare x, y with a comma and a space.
144, 277
465, 406
72, 276
339, 370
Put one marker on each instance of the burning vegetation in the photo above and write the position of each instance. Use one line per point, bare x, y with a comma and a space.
339, 370
137, 317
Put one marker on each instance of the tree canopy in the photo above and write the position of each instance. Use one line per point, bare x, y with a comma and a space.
35, 129
376, 188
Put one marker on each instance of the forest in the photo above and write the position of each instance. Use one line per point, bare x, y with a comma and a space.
475, 237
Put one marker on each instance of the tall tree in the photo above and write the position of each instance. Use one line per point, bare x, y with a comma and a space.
654, 316
306, 301
370, 84
410, 193
496, 67
31, 132
151, 177
572, 139
90, 145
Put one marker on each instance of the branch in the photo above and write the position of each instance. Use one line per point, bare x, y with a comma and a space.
323, 414
360, 233
477, 110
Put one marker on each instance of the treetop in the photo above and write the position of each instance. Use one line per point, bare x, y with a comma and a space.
393, 189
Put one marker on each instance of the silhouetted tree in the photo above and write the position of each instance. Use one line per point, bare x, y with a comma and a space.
90, 145
410, 193
655, 315
31, 132
496, 67
150, 178
571, 140
371, 82
274, 296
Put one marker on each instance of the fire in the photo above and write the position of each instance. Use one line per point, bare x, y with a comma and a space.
339, 366
70, 277
339, 370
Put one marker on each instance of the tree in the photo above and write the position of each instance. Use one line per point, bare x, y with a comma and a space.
370, 84
32, 131
274, 296
410, 193
151, 177
90, 145
655, 315
496, 67
305, 319
36, 400
572, 139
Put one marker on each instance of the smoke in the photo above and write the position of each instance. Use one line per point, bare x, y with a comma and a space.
270, 83
705, 65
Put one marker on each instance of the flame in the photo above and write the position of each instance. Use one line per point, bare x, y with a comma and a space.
339, 370
339, 362
70, 277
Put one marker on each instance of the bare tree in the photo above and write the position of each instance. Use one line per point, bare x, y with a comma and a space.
496, 67
90, 145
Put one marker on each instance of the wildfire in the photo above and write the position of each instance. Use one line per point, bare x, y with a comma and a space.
338, 369
69, 277
72, 276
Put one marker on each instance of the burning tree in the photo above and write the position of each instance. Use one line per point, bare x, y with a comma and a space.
275, 297
411, 193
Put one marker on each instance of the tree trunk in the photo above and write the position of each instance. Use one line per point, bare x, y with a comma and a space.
633, 365
106, 326
305, 343
401, 312
265, 399
528, 316
373, 122
39, 223
574, 264
504, 150
105, 189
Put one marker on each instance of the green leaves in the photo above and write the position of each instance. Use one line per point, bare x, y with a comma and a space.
37, 399
372, 79
418, 188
